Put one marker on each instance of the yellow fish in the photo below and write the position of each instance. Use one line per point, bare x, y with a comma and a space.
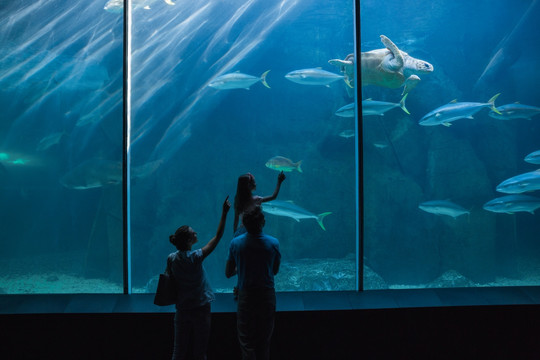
281, 163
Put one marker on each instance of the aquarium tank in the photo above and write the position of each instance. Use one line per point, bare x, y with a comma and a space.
408, 135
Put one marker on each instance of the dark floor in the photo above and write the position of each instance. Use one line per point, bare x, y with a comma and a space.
365, 326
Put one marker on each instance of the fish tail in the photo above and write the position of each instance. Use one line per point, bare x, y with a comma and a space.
263, 78
402, 104
320, 218
348, 82
298, 164
492, 103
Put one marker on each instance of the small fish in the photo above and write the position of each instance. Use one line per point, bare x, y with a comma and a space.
281, 163
521, 183
443, 207
237, 80
453, 111
515, 111
49, 141
347, 133
346, 111
290, 209
372, 107
513, 203
533, 158
314, 76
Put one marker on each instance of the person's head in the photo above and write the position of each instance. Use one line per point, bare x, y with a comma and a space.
246, 184
183, 238
253, 220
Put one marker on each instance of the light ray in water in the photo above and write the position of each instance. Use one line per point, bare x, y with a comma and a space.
172, 138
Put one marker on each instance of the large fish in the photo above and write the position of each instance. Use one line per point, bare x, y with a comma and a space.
95, 172
373, 107
513, 203
314, 76
533, 158
289, 209
521, 183
453, 111
443, 207
515, 111
281, 163
237, 80
346, 111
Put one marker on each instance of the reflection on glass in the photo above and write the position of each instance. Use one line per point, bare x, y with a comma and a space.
211, 101
450, 191
60, 148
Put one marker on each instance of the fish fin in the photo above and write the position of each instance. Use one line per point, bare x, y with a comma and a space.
320, 218
402, 104
297, 220
470, 117
327, 85
298, 166
453, 101
447, 124
492, 103
370, 99
348, 83
263, 78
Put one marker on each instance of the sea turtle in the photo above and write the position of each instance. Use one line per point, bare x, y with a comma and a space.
388, 67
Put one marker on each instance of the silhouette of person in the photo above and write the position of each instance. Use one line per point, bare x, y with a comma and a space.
244, 199
255, 258
192, 318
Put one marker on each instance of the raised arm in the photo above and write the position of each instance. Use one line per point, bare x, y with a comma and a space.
280, 179
208, 248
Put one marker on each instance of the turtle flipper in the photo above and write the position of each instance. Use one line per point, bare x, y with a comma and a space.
396, 63
410, 83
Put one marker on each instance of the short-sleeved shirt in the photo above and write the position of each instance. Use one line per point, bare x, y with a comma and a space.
193, 287
254, 256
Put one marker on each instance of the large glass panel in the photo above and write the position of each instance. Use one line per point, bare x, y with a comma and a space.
192, 136
60, 147
436, 214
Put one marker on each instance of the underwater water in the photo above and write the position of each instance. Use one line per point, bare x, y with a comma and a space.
428, 176
193, 132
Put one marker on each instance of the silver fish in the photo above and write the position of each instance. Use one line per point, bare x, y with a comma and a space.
313, 77
513, 203
347, 133
237, 80
533, 158
49, 141
443, 207
346, 111
521, 183
373, 107
515, 111
453, 111
289, 209
95, 172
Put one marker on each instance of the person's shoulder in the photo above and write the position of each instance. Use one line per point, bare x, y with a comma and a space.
271, 238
